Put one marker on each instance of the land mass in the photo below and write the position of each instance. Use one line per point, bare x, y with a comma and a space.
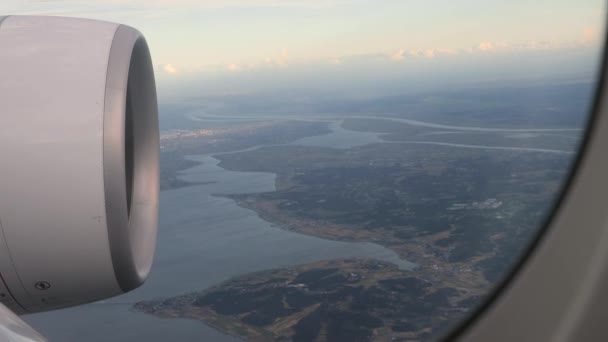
462, 215
177, 144
338, 300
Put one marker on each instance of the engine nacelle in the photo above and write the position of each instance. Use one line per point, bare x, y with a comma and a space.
79, 161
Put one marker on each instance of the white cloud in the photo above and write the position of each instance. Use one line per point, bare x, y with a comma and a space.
399, 55
433, 52
429, 53
281, 60
336, 61
168, 69
486, 46
590, 35
233, 67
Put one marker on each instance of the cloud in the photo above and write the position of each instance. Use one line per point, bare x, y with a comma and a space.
399, 55
233, 67
540, 45
336, 61
283, 59
486, 46
446, 51
168, 69
590, 35
433, 52
429, 53
489, 46
279, 61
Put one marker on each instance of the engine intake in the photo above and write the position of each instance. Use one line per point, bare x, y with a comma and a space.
79, 161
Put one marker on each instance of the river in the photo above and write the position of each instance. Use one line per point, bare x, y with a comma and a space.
198, 116
205, 239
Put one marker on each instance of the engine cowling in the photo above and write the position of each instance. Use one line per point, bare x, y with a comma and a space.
79, 161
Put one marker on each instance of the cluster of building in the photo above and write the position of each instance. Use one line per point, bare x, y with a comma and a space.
490, 203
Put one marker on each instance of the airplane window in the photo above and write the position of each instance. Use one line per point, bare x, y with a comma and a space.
344, 170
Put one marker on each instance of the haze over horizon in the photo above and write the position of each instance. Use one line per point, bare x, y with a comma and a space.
350, 47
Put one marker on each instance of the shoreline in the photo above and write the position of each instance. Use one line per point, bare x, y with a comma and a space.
356, 277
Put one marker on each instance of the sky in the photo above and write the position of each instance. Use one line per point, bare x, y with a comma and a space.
274, 40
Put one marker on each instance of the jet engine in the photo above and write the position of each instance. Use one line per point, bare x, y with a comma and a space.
79, 161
